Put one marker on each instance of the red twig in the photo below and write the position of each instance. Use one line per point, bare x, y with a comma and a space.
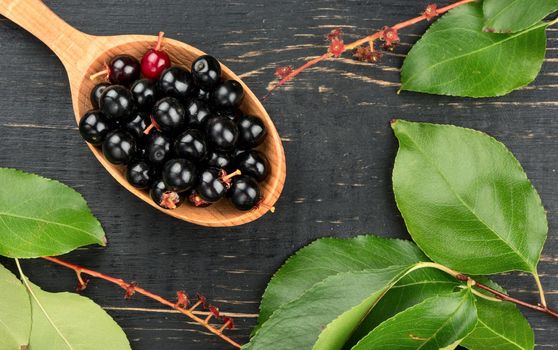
505, 297
368, 39
132, 288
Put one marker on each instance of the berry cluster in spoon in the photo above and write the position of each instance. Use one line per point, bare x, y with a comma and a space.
180, 133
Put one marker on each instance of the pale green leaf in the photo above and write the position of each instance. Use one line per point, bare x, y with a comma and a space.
67, 321
466, 200
329, 256
41, 217
298, 324
509, 16
435, 323
455, 57
15, 312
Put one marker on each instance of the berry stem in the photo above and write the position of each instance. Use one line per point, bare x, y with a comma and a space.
148, 129
159, 41
226, 178
367, 39
104, 72
132, 288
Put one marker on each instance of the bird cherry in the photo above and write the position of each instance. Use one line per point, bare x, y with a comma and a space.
254, 164
122, 70
244, 193
94, 127
213, 184
179, 175
165, 197
155, 60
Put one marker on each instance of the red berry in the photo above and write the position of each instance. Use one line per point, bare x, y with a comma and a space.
155, 61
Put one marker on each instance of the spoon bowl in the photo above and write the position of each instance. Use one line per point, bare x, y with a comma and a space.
83, 55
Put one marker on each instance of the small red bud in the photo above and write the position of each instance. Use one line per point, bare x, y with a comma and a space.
430, 12
337, 47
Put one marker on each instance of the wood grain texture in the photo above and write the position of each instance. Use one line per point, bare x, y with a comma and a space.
339, 148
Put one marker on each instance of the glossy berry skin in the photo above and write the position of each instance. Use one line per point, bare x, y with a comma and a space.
116, 103
139, 174
119, 147
232, 114
210, 186
157, 148
206, 72
176, 82
253, 164
93, 127
221, 133
154, 62
165, 197
244, 192
202, 95
124, 70
191, 145
144, 93
196, 114
228, 94
221, 160
96, 94
251, 131
179, 175
169, 115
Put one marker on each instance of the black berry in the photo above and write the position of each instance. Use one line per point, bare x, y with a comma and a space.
244, 192
139, 174
219, 160
176, 82
124, 70
144, 94
228, 94
96, 94
211, 186
206, 71
157, 148
251, 131
165, 197
221, 132
137, 125
196, 114
119, 147
116, 103
254, 164
169, 115
94, 127
191, 145
179, 174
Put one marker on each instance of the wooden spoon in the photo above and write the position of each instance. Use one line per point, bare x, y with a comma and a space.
83, 55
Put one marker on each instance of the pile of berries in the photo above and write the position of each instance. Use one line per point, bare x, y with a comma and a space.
179, 133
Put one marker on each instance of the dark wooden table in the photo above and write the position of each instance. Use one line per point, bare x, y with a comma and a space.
338, 144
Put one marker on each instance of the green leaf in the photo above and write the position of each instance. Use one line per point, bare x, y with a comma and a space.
411, 290
15, 312
298, 324
438, 322
500, 326
510, 16
70, 321
455, 57
466, 200
328, 256
41, 217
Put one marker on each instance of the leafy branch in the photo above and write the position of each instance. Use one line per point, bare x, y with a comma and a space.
542, 307
182, 304
389, 35
481, 48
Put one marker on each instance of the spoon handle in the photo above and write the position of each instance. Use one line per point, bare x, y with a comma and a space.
34, 16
